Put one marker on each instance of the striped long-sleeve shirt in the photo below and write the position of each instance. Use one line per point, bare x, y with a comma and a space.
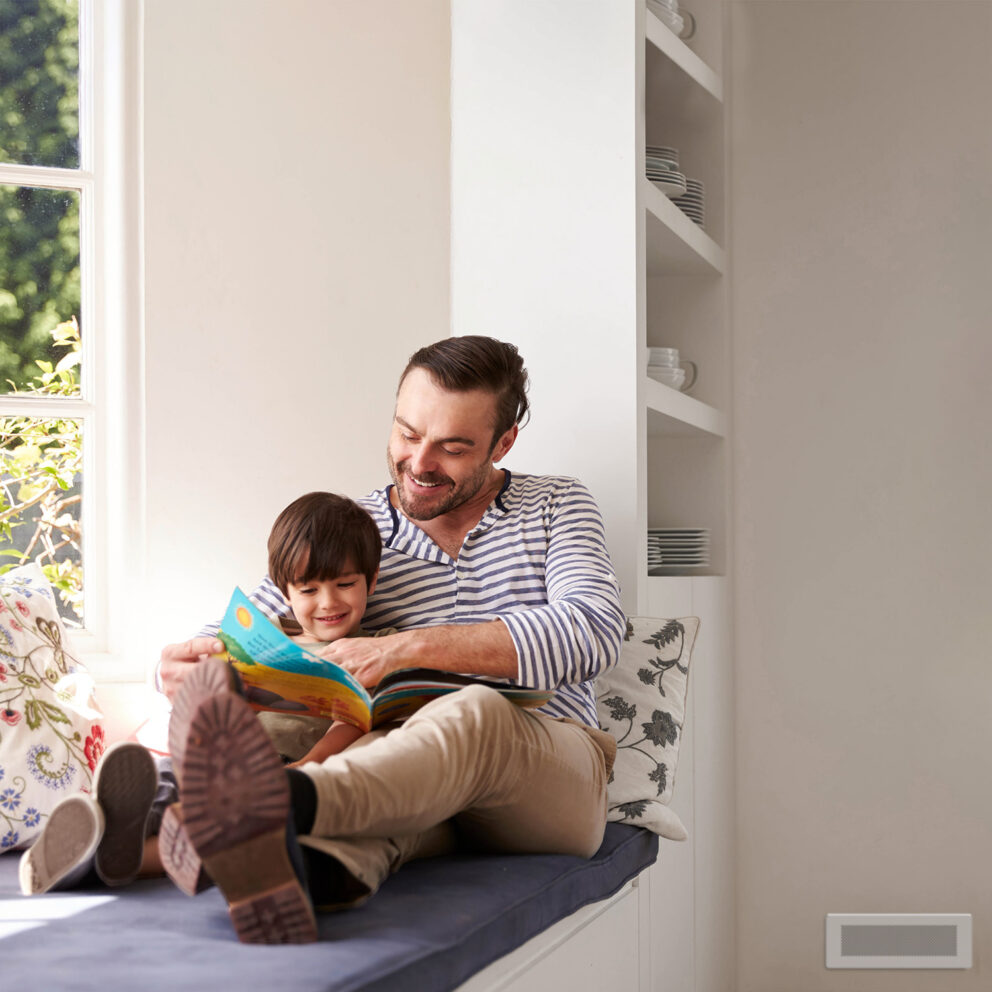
537, 561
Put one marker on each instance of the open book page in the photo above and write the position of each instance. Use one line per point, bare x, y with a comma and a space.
401, 693
281, 675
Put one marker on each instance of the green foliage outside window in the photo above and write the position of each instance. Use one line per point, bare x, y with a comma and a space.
41, 463
40, 455
39, 228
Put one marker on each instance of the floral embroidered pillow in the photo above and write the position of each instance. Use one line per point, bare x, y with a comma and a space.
641, 703
49, 740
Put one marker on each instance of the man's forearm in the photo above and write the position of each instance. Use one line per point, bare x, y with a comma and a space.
473, 649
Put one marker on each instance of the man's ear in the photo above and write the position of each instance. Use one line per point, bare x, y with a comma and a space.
372, 583
504, 444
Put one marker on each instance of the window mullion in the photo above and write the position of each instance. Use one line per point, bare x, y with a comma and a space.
45, 177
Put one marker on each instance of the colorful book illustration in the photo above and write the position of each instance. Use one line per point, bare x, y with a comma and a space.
284, 677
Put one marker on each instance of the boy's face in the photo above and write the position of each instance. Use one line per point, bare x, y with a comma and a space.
330, 608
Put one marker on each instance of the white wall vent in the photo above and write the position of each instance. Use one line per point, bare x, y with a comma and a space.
898, 940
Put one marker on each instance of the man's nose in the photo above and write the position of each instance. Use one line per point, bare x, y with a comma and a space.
422, 460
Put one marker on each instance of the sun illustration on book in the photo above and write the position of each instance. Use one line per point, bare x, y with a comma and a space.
244, 617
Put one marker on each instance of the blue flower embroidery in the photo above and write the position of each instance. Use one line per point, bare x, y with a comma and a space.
9, 799
38, 757
32, 817
9, 839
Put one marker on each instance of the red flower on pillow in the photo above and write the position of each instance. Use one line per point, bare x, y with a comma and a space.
10, 717
15, 625
22, 608
3, 672
94, 746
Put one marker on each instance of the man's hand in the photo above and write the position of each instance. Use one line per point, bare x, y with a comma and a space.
369, 659
472, 649
177, 661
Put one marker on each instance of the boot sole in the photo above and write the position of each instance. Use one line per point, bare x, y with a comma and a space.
235, 802
210, 677
124, 787
179, 858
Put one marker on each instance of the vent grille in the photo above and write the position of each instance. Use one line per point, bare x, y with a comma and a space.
899, 940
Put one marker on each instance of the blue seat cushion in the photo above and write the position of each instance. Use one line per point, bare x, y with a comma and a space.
430, 927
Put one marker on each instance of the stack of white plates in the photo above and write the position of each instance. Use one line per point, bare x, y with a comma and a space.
661, 166
672, 550
668, 12
693, 201
662, 156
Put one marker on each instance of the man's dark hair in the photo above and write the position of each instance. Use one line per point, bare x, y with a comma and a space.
318, 536
476, 362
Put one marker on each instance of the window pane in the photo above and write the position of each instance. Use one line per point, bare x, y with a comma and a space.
40, 488
39, 280
39, 82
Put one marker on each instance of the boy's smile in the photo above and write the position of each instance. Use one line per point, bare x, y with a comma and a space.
328, 609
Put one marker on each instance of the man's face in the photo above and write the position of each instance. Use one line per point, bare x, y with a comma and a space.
439, 448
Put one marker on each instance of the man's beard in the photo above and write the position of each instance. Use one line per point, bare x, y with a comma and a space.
427, 506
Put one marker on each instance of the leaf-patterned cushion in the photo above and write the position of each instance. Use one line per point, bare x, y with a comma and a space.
641, 703
49, 740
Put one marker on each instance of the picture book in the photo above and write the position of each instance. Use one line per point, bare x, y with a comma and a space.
281, 675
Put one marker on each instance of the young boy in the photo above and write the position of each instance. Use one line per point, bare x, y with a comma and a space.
324, 555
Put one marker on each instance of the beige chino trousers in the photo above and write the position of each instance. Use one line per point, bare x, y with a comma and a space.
505, 779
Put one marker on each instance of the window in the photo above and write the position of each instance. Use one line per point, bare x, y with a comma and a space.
68, 310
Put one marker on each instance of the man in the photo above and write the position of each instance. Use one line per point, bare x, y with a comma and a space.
482, 573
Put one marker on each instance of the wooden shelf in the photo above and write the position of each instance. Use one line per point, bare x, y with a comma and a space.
676, 244
662, 37
672, 413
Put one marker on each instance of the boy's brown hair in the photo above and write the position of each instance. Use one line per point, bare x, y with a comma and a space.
318, 536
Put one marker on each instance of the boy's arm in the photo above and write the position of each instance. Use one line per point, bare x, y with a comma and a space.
337, 737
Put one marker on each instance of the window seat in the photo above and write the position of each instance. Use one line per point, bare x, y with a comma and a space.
430, 928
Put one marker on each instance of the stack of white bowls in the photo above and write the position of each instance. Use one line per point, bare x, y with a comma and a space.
663, 366
668, 12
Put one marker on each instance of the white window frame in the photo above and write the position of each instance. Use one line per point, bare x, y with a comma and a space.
111, 401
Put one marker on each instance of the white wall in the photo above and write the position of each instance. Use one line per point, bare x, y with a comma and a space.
544, 231
296, 231
862, 215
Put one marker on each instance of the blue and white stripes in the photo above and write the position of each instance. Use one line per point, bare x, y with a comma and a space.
537, 561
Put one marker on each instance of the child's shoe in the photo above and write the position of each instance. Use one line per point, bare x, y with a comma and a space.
124, 787
63, 853
104, 831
